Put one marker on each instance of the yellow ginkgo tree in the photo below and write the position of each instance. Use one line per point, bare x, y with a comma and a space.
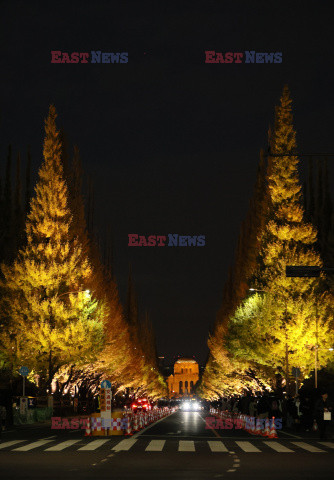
51, 318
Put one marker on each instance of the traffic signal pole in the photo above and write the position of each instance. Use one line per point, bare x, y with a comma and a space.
309, 271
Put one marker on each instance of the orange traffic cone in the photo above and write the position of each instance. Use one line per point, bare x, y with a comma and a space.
258, 427
127, 422
88, 431
266, 431
272, 433
252, 426
135, 422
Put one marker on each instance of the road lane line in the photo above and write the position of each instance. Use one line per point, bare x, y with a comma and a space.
247, 447
93, 445
186, 446
308, 447
30, 446
155, 446
152, 425
216, 446
124, 444
289, 434
62, 446
212, 429
327, 444
278, 447
9, 444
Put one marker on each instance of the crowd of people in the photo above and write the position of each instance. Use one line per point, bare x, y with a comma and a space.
298, 413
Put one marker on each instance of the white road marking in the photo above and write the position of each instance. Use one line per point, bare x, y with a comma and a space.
290, 434
247, 447
124, 444
93, 445
155, 446
30, 446
151, 425
186, 446
217, 446
278, 447
62, 446
327, 444
309, 448
9, 444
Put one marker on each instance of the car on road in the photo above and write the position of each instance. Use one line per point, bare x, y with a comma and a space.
191, 405
141, 405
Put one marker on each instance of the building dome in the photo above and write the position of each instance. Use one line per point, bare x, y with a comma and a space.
186, 375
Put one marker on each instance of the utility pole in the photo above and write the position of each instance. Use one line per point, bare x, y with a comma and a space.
316, 347
287, 368
310, 271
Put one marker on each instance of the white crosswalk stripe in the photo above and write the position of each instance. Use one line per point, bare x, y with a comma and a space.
308, 447
327, 444
31, 446
247, 447
186, 446
93, 445
61, 446
158, 445
278, 447
155, 446
216, 446
10, 444
124, 444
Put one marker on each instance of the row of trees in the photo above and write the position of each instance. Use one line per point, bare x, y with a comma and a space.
59, 307
269, 323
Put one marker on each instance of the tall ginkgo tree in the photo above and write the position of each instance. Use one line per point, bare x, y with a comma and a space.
298, 318
51, 316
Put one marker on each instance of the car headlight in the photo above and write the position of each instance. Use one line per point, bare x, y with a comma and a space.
185, 405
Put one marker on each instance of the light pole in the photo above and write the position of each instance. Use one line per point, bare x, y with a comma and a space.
287, 379
316, 346
310, 271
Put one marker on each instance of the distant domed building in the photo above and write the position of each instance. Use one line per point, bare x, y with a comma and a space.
186, 375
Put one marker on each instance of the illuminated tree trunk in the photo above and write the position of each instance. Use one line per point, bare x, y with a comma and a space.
287, 375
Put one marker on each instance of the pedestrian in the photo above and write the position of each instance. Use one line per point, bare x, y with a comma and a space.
322, 413
252, 407
263, 406
291, 412
275, 410
297, 412
3, 416
306, 409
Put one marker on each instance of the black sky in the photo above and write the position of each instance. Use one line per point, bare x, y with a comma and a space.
171, 142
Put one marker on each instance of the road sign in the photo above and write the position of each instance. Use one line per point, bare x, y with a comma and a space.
105, 384
24, 371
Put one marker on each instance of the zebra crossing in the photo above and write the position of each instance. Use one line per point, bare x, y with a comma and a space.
161, 445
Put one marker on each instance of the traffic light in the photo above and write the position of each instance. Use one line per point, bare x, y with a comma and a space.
302, 271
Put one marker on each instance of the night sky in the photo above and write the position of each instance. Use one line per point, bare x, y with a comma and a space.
171, 142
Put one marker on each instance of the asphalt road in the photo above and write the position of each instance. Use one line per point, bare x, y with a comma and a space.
176, 447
